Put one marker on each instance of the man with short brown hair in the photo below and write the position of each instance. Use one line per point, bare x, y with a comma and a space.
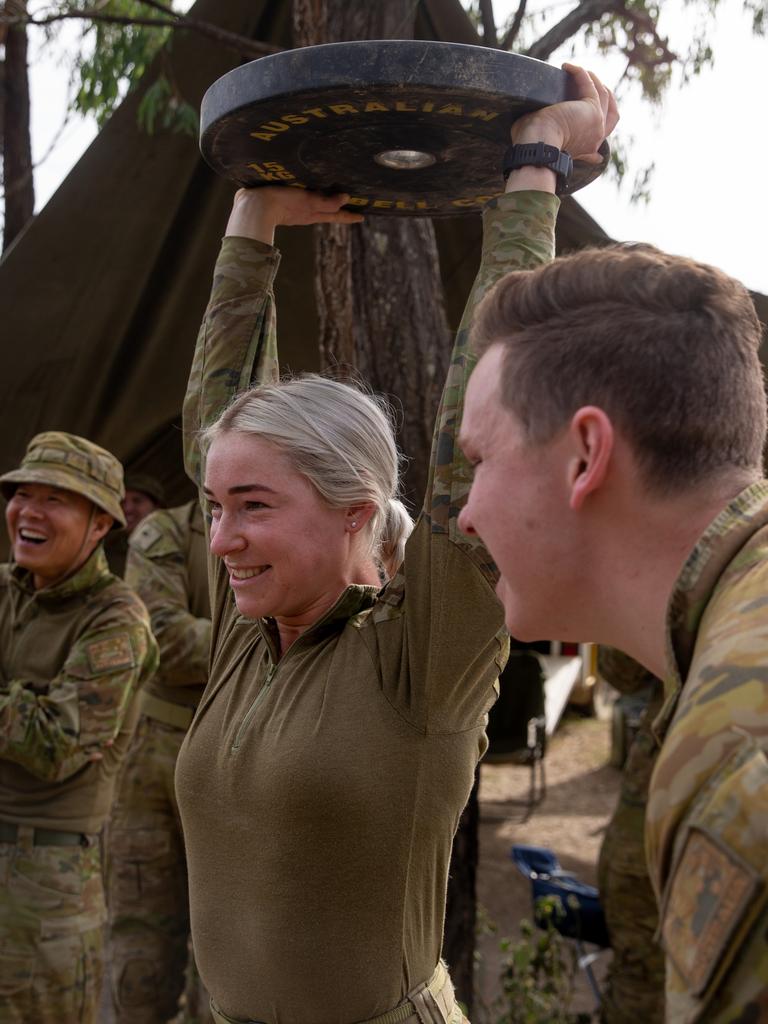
75, 648
616, 421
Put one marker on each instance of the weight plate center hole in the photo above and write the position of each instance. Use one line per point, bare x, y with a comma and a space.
404, 159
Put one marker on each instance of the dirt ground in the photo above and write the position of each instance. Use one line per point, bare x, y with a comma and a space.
581, 790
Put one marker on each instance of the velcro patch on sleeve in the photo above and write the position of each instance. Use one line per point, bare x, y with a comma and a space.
110, 654
711, 897
145, 535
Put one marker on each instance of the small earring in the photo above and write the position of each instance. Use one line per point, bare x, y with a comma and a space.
353, 524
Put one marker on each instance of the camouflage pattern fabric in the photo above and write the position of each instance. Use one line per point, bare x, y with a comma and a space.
148, 902
520, 242
168, 569
707, 818
147, 881
624, 673
72, 660
51, 924
75, 464
634, 988
241, 305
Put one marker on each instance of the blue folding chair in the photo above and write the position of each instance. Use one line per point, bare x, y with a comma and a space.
582, 918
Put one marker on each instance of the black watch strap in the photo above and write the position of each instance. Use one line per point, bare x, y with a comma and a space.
538, 154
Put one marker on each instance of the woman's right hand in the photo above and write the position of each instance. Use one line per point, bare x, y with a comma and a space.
578, 126
256, 212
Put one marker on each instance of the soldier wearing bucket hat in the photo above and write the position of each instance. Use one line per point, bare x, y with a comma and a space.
75, 649
143, 494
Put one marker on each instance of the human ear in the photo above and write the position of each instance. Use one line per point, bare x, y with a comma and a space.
102, 524
357, 516
592, 439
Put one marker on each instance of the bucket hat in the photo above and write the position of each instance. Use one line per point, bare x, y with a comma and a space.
74, 464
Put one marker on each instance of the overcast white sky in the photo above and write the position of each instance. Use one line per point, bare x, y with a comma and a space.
709, 144
708, 141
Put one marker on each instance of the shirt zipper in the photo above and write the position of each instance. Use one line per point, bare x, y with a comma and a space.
251, 710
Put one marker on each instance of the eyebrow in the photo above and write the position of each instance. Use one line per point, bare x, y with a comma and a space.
242, 489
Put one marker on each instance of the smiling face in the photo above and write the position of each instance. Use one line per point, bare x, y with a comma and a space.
52, 531
287, 552
519, 506
136, 506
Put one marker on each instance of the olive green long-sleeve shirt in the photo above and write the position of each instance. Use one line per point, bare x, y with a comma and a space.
72, 660
320, 792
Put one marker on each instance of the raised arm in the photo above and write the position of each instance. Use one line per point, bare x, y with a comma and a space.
518, 234
237, 342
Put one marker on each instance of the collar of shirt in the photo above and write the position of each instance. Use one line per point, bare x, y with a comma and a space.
94, 570
703, 570
353, 600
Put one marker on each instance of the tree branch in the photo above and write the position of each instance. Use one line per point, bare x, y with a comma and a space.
489, 23
512, 32
587, 11
163, 8
240, 44
638, 52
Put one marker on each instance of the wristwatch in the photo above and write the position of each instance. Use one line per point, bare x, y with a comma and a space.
538, 154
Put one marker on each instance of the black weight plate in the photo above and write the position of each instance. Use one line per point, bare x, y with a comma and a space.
319, 117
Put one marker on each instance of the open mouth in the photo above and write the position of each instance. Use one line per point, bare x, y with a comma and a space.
32, 536
247, 574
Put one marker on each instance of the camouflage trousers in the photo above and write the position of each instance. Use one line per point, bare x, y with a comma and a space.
147, 881
52, 915
634, 990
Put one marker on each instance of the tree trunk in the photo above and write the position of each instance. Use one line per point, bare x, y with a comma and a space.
17, 145
381, 312
402, 340
461, 917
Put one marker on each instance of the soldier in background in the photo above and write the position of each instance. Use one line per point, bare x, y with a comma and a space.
143, 494
148, 904
634, 988
75, 647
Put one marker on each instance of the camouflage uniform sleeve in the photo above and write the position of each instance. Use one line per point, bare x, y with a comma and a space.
237, 343
53, 734
438, 632
518, 234
707, 823
157, 570
622, 672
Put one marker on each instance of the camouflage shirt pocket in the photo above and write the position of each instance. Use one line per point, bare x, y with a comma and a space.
717, 891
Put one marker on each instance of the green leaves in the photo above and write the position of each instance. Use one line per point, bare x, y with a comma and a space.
538, 973
162, 107
113, 57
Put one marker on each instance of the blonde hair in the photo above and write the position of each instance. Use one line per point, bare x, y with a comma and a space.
341, 439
